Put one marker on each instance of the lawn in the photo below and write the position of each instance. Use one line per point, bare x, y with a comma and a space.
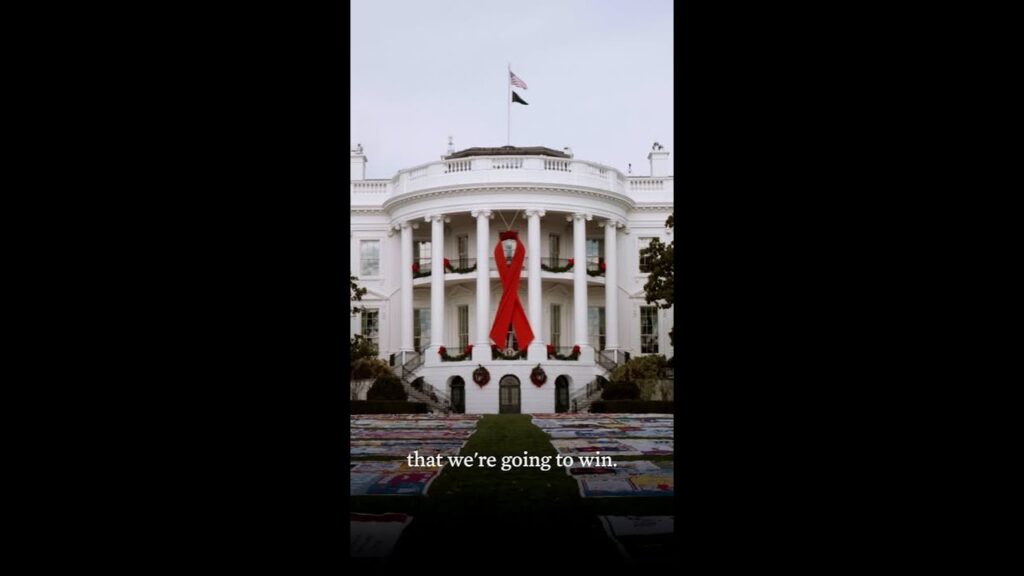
513, 516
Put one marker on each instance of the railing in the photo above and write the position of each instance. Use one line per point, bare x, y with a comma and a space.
559, 170
370, 186
562, 353
557, 165
584, 396
412, 364
508, 261
646, 184
555, 264
606, 360
506, 354
419, 390
506, 163
461, 265
421, 269
458, 166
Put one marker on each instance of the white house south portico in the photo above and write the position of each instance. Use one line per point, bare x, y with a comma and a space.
508, 279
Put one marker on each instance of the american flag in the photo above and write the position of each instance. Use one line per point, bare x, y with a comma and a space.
517, 82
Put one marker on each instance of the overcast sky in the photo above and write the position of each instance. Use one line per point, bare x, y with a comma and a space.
599, 77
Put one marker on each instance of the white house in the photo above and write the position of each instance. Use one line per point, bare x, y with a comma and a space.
580, 226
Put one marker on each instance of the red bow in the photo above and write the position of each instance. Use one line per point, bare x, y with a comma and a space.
510, 309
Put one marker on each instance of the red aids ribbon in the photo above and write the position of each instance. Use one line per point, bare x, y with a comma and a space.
510, 309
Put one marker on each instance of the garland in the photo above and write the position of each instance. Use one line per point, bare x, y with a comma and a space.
466, 353
565, 268
416, 271
575, 355
448, 267
600, 271
481, 376
538, 377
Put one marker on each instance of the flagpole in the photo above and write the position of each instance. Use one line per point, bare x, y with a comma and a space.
508, 96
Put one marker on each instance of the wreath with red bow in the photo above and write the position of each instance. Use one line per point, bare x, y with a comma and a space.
481, 376
537, 376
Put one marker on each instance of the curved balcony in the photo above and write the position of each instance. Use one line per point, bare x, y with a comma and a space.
500, 183
464, 270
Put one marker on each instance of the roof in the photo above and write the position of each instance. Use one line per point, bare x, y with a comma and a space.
508, 151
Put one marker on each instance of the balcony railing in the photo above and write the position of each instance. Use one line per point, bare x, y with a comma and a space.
460, 265
563, 352
503, 169
596, 268
506, 354
422, 268
556, 264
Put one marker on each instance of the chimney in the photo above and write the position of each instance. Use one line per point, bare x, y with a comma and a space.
358, 163
659, 160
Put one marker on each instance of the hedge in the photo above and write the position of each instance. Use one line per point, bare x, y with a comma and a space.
388, 388
386, 407
632, 406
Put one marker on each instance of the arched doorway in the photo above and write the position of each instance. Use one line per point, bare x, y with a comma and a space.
508, 399
562, 394
457, 393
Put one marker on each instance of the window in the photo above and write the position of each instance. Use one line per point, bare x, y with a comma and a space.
422, 253
595, 252
643, 242
421, 329
556, 325
595, 326
510, 248
648, 329
369, 257
462, 251
554, 246
370, 327
463, 328
510, 339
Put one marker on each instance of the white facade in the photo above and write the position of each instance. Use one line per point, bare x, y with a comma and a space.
562, 208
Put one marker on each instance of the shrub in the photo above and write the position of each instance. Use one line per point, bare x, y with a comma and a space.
370, 369
621, 391
639, 368
387, 387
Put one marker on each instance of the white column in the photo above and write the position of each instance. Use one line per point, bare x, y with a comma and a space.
537, 351
611, 288
436, 288
406, 275
482, 345
579, 285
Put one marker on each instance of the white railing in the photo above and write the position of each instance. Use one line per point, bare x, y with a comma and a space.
458, 166
646, 184
506, 163
370, 186
484, 169
557, 165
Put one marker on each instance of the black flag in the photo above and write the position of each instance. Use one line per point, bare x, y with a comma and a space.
516, 98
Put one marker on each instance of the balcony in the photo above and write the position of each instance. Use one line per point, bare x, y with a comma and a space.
503, 169
461, 269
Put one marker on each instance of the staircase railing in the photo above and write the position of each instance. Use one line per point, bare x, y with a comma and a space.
425, 393
584, 396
